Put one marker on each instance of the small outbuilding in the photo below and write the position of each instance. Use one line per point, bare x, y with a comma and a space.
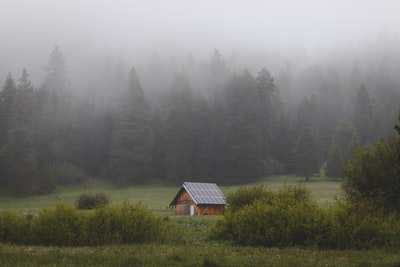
199, 199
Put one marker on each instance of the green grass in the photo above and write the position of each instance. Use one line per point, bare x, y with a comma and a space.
194, 249
213, 254
158, 197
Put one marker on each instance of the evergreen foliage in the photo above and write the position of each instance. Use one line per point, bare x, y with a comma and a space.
212, 124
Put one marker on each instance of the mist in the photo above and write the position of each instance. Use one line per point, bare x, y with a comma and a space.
227, 91
133, 31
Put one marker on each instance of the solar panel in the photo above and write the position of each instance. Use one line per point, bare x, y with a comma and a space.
205, 193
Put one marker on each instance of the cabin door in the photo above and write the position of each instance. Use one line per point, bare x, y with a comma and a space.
191, 210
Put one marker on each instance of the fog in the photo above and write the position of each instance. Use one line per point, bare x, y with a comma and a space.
179, 90
133, 31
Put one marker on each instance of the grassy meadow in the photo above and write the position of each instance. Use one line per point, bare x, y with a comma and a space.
158, 197
194, 249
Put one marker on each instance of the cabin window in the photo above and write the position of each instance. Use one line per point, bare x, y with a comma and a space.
205, 207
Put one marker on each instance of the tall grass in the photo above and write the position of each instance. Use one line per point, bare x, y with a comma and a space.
193, 255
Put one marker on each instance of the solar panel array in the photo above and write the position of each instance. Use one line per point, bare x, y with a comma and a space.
205, 193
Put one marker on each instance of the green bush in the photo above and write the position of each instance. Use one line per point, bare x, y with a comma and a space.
61, 226
14, 227
101, 226
290, 217
246, 196
356, 227
124, 223
373, 176
258, 216
90, 201
64, 225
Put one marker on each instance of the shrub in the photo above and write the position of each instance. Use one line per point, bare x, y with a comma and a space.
267, 218
290, 217
61, 226
355, 227
373, 176
124, 223
91, 201
14, 227
64, 225
246, 196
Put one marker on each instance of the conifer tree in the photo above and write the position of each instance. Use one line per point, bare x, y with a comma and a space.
132, 138
18, 154
306, 154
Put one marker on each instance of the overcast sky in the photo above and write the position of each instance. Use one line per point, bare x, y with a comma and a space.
31, 28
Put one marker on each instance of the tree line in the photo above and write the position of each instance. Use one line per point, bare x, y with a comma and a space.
208, 124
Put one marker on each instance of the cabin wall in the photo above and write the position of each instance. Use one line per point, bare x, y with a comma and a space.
184, 201
210, 209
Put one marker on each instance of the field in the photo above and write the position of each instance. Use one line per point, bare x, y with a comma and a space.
195, 249
158, 197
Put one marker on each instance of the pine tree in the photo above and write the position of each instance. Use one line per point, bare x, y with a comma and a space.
132, 139
7, 96
239, 146
306, 154
55, 79
180, 131
341, 149
18, 153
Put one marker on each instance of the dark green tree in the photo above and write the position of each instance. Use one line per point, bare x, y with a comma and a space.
18, 155
363, 115
180, 132
239, 145
341, 148
334, 162
272, 122
132, 138
305, 154
373, 176
7, 96
307, 115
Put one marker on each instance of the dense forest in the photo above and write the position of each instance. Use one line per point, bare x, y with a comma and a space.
208, 119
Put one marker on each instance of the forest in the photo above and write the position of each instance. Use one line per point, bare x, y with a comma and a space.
176, 119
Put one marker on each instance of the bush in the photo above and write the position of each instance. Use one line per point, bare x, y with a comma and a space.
90, 201
373, 176
14, 227
64, 225
267, 218
61, 226
290, 217
124, 223
351, 226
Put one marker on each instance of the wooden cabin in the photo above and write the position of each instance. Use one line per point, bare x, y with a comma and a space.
199, 199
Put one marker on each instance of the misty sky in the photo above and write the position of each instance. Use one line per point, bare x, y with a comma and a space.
30, 29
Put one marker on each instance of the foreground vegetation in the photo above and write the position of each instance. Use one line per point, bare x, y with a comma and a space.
189, 245
193, 255
257, 216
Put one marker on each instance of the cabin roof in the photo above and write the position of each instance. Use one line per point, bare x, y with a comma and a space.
202, 193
